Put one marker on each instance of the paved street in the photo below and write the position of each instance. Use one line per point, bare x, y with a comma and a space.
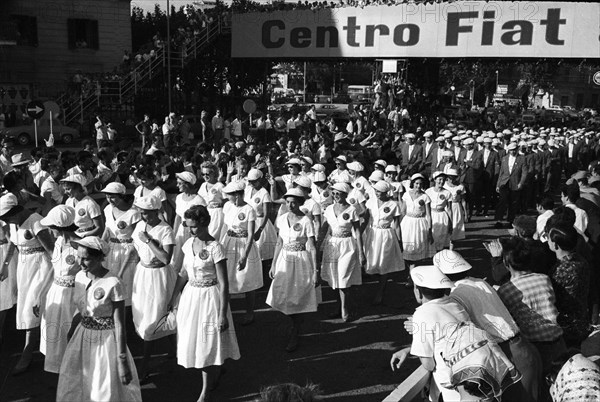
350, 362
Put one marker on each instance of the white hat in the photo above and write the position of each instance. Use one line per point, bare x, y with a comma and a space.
148, 203
294, 192
319, 176
318, 167
495, 142
75, 178
487, 140
382, 186
341, 158
294, 161
380, 162
303, 181
308, 160
447, 152
480, 139
187, 177
7, 202
114, 188
19, 160
451, 172
541, 142
391, 168
437, 174
440, 138
468, 141
511, 146
93, 242
450, 262
429, 276
254, 174
234, 187
356, 166
447, 134
428, 134
409, 135
60, 216
376, 175
343, 187
417, 176
456, 138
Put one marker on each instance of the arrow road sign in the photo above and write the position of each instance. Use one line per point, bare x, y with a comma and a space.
35, 109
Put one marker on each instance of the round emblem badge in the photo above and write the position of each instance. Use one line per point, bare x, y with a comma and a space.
352, 201
203, 255
121, 225
358, 186
325, 194
99, 293
241, 216
458, 192
421, 202
257, 200
213, 191
345, 216
70, 259
297, 227
28, 235
442, 197
81, 212
386, 210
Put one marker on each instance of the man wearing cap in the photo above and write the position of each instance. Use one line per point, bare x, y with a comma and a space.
411, 155
512, 177
486, 310
430, 152
471, 166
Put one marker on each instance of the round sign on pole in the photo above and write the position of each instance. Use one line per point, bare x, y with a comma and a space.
51, 107
249, 106
597, 78
35, 109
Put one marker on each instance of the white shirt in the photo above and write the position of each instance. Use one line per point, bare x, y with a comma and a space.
428, 147
486, 155
469, 155
581, 218
540, 224
456, 152
410, 150
511, 163
236, 127
571, 146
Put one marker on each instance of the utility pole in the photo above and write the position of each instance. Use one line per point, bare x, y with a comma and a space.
169, 54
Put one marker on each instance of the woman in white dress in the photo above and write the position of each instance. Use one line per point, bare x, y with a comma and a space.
441, 209
149, 187
8, 276
154, 278
204, 300
97, 365
294, 270
383, 238
244, 266
320, 190
88, 215
259, 198
59, 310
211, 192
342, 255
34, 269
121, 218
186, 198
417, 235
459, 206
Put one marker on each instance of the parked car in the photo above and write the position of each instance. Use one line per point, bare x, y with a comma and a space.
25, 135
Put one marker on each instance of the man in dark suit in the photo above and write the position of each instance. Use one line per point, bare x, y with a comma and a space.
491, 168
429, 153
411, 155
555, 163
511, 179
471, 164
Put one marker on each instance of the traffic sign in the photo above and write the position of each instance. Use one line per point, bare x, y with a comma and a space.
597, 78
35, 109
249, 106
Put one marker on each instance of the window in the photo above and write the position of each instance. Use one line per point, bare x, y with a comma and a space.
26, 30
83, 34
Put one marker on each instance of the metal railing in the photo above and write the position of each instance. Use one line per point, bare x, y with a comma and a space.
125, 89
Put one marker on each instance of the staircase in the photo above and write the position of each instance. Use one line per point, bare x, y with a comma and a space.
122, 91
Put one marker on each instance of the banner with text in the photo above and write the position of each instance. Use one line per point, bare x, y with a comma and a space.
458, 29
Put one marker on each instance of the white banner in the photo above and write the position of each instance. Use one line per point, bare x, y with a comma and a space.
457, 29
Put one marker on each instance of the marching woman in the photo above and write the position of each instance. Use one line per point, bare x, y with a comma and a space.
154, 278
205, 299
97, 365
417, 236
186, 198
88, 215
342, 255
59, 310
320, 191
34, 244
211, 192
149, 187
294, 270
293, 167
8, 275
244, 266
441, 209
259, 198
383, 238
459, 205
121, 218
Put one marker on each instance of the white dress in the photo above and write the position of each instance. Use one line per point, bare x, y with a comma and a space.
340, 264
86, 211
234, 242
323, 197
8, 287
199, 342
89, 369
293, 289
152, 287
382, 246
458, 215
213, 197
415, 228
59, 309
183, 202
122, 254
34, 271
268, 237
440, 217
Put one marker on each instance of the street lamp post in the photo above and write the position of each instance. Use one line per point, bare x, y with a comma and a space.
496, 81
169, 54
